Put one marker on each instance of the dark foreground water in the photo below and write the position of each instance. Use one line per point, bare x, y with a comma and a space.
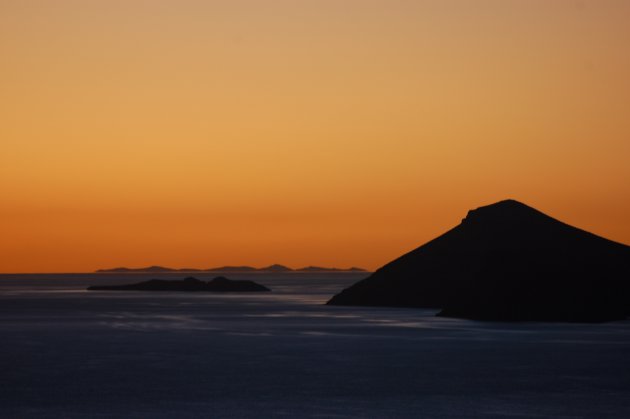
70, 353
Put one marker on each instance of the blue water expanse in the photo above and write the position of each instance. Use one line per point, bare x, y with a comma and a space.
69, 353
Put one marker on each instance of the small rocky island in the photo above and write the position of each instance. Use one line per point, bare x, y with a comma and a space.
190, 284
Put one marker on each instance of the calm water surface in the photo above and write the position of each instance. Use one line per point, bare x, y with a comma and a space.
69, 353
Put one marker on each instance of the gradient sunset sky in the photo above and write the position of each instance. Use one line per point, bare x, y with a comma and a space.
338, 133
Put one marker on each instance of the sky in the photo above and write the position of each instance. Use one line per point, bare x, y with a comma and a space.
331, 132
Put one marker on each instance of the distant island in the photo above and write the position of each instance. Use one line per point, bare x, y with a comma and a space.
243, 269
506, 262
190, 284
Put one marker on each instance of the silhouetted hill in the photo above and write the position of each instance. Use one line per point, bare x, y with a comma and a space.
231, 269
321, 269
218, 284
276, 268
506, 261
147, 269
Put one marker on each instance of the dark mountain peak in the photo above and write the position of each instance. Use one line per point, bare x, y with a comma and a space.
505, 206
153, 268
276, 268
506, 261
506, 211
157, 268
324, 269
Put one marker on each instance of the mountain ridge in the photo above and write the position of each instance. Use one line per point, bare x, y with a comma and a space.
501, 254
229, 268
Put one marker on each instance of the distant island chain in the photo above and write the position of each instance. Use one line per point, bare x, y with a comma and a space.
272, 268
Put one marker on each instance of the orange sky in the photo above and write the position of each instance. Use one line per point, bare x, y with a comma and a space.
330, 132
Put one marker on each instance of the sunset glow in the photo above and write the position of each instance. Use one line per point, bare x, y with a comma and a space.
336, 133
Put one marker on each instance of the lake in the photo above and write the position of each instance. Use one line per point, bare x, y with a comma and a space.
69, 353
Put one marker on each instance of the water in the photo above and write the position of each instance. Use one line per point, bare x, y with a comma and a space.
69, 353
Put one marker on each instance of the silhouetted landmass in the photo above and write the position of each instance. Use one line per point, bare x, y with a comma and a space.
507, 262
232, 269
218, 284
276, 268
147, 269
321, 269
